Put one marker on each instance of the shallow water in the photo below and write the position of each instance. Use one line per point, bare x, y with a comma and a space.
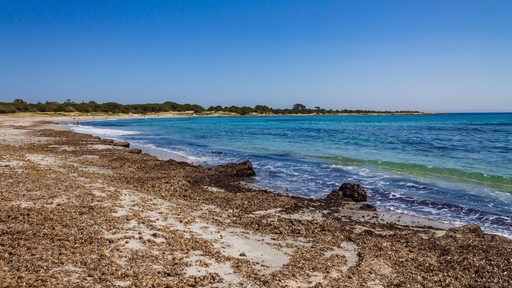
451, 167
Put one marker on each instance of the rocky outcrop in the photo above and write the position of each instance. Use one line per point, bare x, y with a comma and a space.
121, 144
353, 191
347, 191
243, 169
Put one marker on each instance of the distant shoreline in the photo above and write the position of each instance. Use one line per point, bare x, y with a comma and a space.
19, 105
89, 116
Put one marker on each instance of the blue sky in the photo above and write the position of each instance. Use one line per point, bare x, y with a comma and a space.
383, 55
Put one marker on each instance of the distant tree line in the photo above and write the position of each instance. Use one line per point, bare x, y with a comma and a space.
69, 106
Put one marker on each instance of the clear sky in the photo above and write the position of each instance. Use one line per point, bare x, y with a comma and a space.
384, 54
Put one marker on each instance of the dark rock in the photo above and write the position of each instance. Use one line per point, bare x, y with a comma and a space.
134, 151
347, 191
353, 191
367, 207
216, 152
334, 197
468, 229
121, 144
107, 141
243, 169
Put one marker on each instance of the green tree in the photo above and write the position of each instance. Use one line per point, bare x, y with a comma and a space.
19, 102
261, 109
217, 108
299, 106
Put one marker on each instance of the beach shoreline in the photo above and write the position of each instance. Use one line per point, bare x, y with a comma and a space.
151, 222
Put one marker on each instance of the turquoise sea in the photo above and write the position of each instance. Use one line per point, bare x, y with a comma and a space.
451, 167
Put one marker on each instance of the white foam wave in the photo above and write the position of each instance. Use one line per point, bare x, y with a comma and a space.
103, 132
166, 154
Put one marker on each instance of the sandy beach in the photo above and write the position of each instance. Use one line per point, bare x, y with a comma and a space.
80, 211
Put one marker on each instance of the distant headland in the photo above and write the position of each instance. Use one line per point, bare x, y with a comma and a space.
92, 107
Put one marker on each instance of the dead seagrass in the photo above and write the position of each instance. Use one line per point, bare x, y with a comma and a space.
81, 214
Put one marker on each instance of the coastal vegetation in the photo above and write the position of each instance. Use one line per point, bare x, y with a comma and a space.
68, 106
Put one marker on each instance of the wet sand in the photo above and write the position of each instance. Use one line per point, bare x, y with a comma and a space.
78, 211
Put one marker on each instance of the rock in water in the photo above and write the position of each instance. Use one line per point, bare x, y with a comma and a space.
243, 169
353, 191
348, 191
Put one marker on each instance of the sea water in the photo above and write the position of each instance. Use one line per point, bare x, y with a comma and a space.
455, 168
